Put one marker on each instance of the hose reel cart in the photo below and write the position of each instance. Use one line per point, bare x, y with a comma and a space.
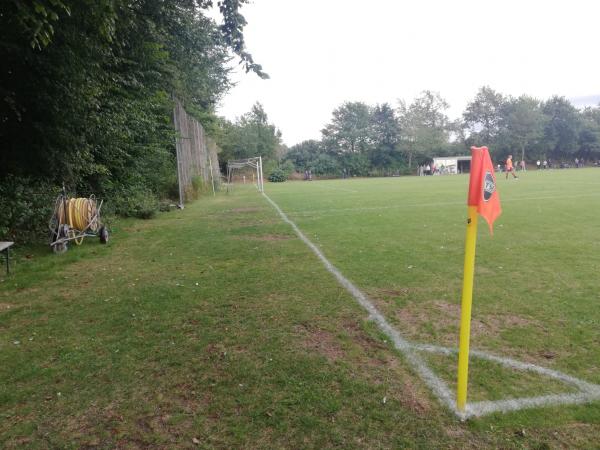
75, 219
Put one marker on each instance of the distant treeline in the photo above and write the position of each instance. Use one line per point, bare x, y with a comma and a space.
86, 91
382, 140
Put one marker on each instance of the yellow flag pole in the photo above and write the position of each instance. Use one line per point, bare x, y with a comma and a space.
465, 309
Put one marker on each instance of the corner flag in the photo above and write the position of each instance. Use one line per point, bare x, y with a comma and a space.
483, 199
482, 186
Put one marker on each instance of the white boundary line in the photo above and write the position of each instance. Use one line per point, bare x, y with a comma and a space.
588, 392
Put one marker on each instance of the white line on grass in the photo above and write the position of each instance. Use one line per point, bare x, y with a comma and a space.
588, 391
439, 388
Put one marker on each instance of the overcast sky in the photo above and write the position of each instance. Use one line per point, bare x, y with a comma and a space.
320, 53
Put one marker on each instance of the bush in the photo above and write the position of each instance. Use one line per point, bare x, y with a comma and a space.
270, 165
198, 188
136, 201
25, 208
287, 167
325, 165
277, 176
165, 206
171, 188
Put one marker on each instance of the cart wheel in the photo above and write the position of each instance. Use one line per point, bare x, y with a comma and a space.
61, 233
53, 235
60, 247
103, 233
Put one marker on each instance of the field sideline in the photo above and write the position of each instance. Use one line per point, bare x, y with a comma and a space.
216, 326
437, 313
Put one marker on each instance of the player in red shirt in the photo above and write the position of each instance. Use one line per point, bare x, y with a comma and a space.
510, 168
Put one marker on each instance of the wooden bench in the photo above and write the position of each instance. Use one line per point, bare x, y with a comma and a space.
5, 247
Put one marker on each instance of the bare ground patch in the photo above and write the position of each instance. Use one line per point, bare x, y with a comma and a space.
265, 237
25, 291
374, 361
320, 341
245, 210
330, 345
246, 223
391, 293
6, 307
168, 419
387, 294
369, 346
440, 320
413, 397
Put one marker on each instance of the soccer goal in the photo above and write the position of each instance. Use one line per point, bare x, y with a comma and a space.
246, 170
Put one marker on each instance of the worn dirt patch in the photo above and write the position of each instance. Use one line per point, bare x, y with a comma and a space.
414, 399
455, 432
250, 223
321, 341
371, 359
442, 319
243, 210
548, 354
135, 428
366, 342
6, 306
265, 237
393, 293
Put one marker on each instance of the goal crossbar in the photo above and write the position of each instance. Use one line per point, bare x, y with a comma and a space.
255, 163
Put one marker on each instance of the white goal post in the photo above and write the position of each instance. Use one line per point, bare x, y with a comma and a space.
254, 163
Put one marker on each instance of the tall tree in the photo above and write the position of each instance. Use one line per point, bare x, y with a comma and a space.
251, 135
589, 134
349, 130
562, 127
304, 154
424, 125
483, 115
523, 123
385, 135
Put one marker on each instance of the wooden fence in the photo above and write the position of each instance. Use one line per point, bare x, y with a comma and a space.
197, 161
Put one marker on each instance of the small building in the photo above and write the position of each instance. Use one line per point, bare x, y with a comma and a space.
452, 165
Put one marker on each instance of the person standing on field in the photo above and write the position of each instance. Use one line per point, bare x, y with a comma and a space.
538, 164
510, 168
523, 166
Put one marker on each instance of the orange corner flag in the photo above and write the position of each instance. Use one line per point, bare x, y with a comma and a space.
483, 200
482, 186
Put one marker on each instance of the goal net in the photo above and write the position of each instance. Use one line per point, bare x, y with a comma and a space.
247, 170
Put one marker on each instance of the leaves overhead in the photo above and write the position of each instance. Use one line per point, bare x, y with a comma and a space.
86, 89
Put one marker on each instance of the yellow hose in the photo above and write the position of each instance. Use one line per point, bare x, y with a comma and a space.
80, 214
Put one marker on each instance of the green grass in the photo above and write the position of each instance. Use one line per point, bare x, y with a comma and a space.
217, 325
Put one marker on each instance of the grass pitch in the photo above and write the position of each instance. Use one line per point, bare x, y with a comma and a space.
216, 327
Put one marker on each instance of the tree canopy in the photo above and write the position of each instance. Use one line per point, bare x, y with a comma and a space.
362, 139
87, 87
